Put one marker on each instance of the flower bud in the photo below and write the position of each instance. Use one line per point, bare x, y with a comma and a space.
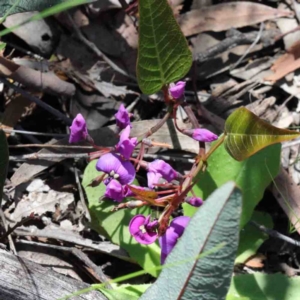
194, 201
177, 90
201, 134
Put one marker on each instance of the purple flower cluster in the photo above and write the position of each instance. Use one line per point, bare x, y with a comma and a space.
120, 172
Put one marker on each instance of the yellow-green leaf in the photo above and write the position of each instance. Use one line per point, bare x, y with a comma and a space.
163, 54
246, 134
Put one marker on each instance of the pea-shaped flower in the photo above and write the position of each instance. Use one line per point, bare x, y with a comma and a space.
122, 117
171, 236
126, 144
160, 169
177, 90
143, 230
78, 130
117, 168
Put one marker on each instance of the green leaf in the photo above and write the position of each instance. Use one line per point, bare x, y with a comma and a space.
4, 158
252, 176
163, 54
185, 276
115, 224
125, 291
251, 237
2, 46
264, 287
246, 134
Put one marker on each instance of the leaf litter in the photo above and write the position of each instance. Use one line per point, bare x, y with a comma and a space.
236, 65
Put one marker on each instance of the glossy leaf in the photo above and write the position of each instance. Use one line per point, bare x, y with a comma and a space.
4, 158
246, 134
115, 224
163, 54
252, 176
264, 287
187, 277
251, 237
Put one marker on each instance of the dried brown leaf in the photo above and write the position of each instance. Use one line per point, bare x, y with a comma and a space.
224, 16
286, 63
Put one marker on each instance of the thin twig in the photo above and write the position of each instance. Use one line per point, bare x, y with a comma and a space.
37, 101
97, 271
251, 46
96, 50
51, 146
237, 38
276, 234
12, 229
62, 135
81, 195
48, 156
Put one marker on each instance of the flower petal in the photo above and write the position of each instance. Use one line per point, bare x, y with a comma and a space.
153, 179
78, 129
173, 233
109, 162
126, 172
160, 166
122, 117
114, 190
138, 230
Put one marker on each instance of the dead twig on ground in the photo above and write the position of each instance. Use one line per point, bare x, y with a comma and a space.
81, 195
276, 234
45, 82
37, 101
236, 38
95, 270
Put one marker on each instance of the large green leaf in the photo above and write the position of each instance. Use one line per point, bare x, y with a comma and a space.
246, 134
115, 224
4, 158
163, 54
252, 176
251, 237
185, 276
264, 287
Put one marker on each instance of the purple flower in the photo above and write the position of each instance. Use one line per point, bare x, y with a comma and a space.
194, 201
122, 117
201, 134
114, 190
159, 169
116, 168
126, 145
177, 90
143, 230
78, 129
173, 233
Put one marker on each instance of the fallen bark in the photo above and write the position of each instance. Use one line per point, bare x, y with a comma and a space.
21, 279
45, 82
